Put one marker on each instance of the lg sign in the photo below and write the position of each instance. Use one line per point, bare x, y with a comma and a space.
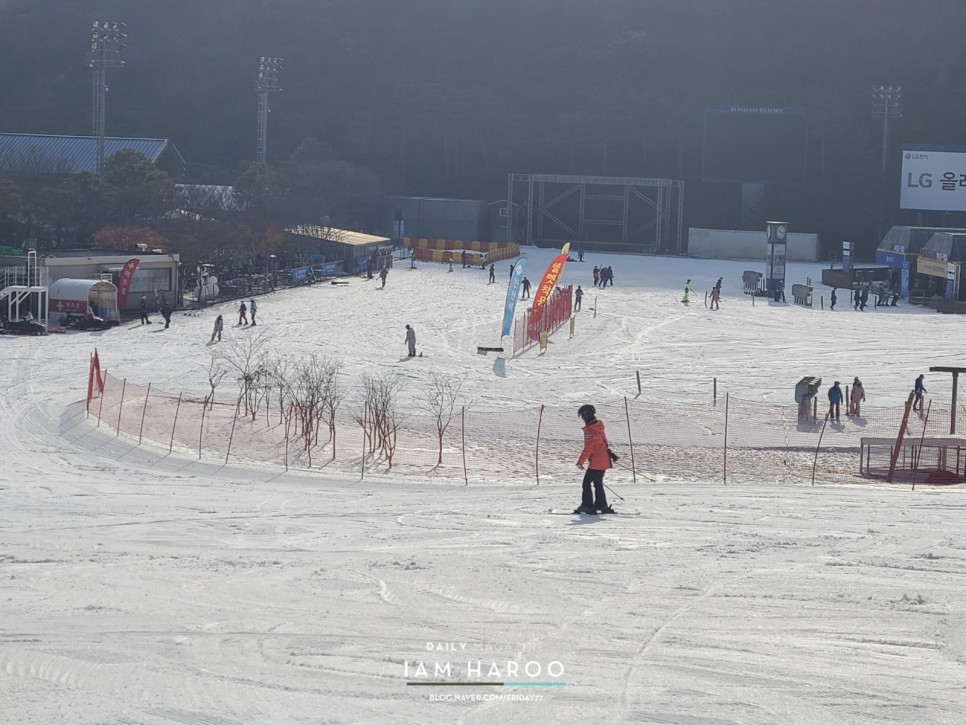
933, 178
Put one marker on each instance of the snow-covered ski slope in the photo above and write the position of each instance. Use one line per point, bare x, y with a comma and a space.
142, 587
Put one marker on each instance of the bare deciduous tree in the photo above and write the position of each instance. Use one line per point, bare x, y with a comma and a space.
379, 414
246, 356
216, 372
442, 395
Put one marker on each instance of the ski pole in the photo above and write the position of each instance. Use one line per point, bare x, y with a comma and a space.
642, 475
613, 492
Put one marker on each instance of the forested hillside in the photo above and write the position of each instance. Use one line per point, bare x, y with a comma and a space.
445, 97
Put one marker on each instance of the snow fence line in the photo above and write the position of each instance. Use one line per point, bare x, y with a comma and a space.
733, 440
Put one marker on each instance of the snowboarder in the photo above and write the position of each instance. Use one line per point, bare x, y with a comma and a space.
243, 313
834, 400
166, 314
834, 300
253, 308
578, 296
143, 309
411, 340
596, 454
919, 390
219, 326
596, 275
856, 397
526, 288
687, 292
493, 274
383, 273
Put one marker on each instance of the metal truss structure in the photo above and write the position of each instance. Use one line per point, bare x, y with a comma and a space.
606, 213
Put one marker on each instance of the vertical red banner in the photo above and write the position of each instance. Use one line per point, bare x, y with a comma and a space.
124, 282
549, 281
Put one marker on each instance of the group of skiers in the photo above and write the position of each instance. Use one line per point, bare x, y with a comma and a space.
857, 396
603, 276
860, 298
836, 396
243, 311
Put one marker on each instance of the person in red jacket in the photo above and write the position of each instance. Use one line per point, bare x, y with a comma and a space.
596, 454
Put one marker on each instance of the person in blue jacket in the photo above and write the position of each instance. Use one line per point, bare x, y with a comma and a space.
834, 400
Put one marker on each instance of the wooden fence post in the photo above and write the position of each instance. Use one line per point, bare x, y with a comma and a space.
101, 405
143, 411
120, 409
630, 439
231, 437
725, 469
174, 423
466, 480
536, 461
819, 445
201, 428
916, 458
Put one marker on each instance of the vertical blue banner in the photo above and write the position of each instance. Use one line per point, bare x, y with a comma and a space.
512, 294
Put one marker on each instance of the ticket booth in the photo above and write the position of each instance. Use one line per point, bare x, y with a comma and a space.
805, 391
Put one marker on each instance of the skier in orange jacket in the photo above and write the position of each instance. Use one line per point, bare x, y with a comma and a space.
596, 454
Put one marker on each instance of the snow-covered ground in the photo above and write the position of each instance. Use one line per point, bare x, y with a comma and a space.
142, 587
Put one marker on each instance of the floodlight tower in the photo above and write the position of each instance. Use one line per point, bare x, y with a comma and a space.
885, 105
107, 42
266, 82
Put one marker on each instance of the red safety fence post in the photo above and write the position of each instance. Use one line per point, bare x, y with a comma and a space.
143, 411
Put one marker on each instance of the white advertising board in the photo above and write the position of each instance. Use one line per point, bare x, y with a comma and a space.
933, 178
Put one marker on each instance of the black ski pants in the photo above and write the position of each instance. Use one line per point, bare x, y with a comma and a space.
595, 478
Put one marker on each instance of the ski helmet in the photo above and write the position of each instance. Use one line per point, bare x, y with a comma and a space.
587, 412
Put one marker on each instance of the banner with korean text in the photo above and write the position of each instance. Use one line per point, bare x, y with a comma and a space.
124, 282
549, 281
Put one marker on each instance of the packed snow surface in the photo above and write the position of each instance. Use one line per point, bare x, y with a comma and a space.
142, 587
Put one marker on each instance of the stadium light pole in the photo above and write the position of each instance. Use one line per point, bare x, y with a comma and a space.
885, 105
265, 82
106, 45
